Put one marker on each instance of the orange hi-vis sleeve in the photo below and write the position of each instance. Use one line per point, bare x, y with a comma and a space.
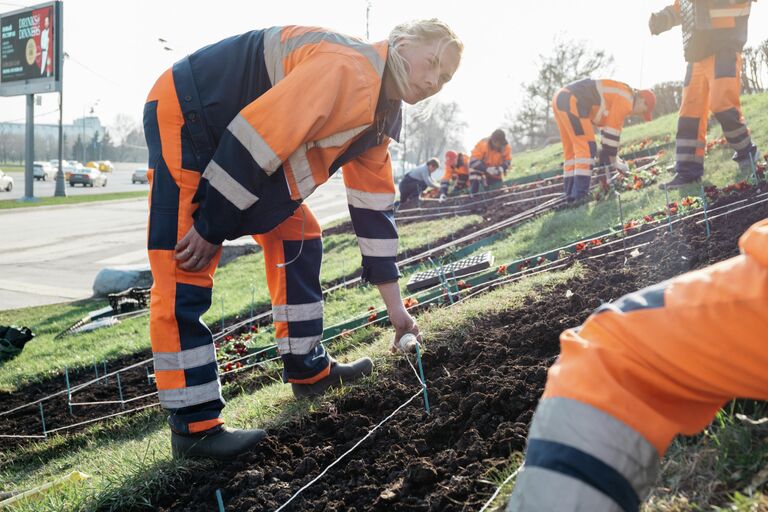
640, 370
666, 359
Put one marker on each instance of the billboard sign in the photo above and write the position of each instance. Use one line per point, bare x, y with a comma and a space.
30, 50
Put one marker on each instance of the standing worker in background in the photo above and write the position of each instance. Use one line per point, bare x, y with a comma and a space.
602, 103
490, 161
417, 179
651, 365
714, 34
456, 172
240, 133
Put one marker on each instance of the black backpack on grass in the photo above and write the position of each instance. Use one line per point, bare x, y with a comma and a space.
12, 340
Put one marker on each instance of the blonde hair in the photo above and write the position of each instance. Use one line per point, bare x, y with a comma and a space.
417, 31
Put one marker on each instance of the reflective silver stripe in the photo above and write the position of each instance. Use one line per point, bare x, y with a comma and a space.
568, 172
273, 57
592, 431
541, 490
735, 133
367, 50
341, 138
741, 145
190, 358
384, 247
602, 91
234, 192
732, 12
378, 201
689, 143
297, 312
255, 144
298, 345
615, 90
611, 131
302, 172
609, 142
682, 157
569, 162
582, 172
276, 51
193, 395
589, 161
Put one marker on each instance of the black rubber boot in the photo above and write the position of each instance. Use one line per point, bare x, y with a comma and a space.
340, 374
679, 182
224, 444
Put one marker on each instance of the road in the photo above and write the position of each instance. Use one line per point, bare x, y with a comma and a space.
52, 253
117, 181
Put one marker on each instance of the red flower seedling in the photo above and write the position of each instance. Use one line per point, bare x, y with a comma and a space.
372, 316
371, 308
254, 328
462, 285
648, 218
501, 270
596, 242
580, 246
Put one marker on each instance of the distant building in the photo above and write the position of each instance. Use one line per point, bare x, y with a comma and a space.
83, 127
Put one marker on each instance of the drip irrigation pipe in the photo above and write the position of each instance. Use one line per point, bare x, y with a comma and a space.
265, 314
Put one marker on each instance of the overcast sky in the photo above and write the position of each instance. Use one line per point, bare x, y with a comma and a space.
116, 56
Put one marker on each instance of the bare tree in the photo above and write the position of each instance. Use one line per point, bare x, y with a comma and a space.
122, 126
431, 131
568, 62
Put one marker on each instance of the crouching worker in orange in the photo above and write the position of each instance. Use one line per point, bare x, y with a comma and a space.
714, 34
240, 133
490, 160
456, 172
602, 103
654, 364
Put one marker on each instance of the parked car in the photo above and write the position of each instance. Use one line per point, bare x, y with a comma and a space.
87, 177
43, 171
70, 167
140, 176
6, 182
106, 166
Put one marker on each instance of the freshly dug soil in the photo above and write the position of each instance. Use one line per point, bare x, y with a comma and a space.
483, 387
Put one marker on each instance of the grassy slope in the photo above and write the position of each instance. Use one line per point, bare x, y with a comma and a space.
236, 285
8, 204
123, 455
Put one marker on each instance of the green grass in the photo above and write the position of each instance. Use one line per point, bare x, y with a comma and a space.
8, 204
236, 284
130, 457
11, 168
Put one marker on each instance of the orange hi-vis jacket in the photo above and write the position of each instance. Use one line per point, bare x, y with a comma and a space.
655, 363
484, 157
709, 26
286, 108
607, 103
459, 169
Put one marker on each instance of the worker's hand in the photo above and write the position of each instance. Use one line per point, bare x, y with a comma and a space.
494, 171
656, 24
621, 166
403, 323
193, 252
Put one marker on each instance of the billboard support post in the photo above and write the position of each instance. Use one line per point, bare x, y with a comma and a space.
61, 190
29, 151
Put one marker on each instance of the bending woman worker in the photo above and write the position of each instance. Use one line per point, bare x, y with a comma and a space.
240, 133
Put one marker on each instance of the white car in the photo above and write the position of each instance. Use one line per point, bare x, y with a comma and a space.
140, 176
43, 171
6, 182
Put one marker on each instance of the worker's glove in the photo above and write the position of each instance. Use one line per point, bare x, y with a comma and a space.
621, 166
655, 24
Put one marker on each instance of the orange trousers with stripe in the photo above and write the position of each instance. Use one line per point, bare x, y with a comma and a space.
186, 370
577, 136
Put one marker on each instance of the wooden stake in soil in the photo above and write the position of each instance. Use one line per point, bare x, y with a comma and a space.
120, 391
42, 419
706, 207
104, 366
423, 380
69, 390
669, 219
220, 500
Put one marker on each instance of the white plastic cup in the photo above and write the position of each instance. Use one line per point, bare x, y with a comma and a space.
408, 342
